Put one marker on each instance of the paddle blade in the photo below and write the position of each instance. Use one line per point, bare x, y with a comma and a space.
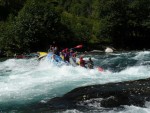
79, 46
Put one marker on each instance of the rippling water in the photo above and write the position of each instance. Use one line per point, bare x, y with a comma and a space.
25, 82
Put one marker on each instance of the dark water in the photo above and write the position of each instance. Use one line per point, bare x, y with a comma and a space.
26, 82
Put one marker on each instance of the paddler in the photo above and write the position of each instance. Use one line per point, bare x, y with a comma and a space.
90, 63
61, 54
53, 58
82, 62
66, 55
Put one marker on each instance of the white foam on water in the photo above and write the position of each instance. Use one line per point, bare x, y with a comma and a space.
72, 111
95, 107
142, 55
131, 109
133, 73
27, 80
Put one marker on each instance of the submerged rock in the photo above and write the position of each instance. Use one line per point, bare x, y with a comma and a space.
111, 95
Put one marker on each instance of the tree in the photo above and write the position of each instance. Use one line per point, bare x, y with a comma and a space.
36, 25
8, 7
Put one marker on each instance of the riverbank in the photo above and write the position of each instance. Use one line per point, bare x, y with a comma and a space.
107, 95
91, 48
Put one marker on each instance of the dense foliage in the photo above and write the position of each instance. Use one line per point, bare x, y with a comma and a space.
31, 25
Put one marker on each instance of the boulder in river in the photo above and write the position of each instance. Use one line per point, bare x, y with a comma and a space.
110, 95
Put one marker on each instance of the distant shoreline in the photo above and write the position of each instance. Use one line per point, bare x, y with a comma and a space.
84, 50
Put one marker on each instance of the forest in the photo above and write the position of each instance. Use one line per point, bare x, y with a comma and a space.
32, 25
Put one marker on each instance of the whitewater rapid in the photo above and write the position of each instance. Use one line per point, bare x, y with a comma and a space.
25, 81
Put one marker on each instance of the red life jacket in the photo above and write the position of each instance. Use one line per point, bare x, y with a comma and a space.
82, 63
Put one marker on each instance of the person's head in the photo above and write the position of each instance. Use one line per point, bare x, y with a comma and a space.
66, 49
56, 48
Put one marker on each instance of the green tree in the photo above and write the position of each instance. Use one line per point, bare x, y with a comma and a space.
7, 42
10, 7
138, 22
36, 25
113, 21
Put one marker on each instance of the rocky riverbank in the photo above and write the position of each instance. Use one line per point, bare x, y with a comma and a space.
107, 95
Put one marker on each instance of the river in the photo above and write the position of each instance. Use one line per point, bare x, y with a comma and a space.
25, 82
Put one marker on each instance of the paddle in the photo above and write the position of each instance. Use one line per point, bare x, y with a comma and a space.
78, 46
41, 55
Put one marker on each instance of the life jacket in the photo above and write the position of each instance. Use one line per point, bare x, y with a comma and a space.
62, 57
66, 56
71, 54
